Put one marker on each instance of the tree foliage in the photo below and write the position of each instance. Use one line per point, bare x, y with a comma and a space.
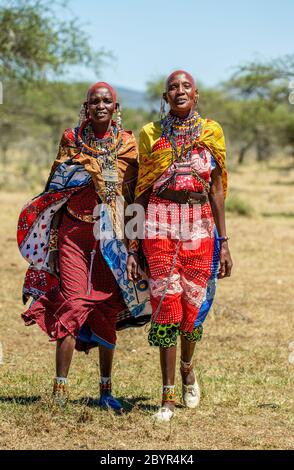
35, 43
35, 46
252, 106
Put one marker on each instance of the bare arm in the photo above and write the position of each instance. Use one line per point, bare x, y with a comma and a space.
132, 264
216, 198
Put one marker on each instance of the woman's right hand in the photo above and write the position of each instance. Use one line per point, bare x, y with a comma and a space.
132, 268
53, 262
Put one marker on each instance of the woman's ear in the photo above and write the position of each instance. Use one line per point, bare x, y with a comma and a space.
164, 96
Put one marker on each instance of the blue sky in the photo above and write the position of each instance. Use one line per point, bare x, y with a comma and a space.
208, 38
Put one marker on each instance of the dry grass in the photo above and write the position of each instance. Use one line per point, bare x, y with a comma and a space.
242, 361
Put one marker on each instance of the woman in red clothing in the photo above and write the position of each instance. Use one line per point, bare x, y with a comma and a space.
77, 282
181, 184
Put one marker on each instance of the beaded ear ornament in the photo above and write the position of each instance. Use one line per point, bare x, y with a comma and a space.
162, 112
118, 116
82, 114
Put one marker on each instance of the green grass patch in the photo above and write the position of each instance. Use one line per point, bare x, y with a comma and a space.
236, 205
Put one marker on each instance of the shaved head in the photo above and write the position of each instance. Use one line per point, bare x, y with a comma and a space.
180, 72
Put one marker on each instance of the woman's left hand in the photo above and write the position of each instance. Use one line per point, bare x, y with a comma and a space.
226, 262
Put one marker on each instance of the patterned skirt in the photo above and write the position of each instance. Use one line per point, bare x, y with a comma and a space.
182, 276
68, 309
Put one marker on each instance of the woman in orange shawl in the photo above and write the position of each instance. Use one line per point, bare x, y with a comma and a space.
182, 183
80, 290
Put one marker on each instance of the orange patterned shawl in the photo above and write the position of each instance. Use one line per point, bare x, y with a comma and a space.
127, 162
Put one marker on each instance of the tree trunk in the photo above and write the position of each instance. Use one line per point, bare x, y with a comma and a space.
4, 154
243, 151
263, 150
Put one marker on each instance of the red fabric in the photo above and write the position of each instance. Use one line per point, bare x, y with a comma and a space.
65, 309
187, 284
32, 211
84, 201
39, 280
192, 270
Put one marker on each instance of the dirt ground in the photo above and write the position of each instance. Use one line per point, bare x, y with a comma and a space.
242, 363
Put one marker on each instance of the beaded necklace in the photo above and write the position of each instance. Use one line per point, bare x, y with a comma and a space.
185, 131
105, 150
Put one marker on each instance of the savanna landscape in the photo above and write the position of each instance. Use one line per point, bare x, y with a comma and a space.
242, 363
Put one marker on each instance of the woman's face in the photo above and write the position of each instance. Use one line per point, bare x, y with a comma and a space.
100, 105
180, 94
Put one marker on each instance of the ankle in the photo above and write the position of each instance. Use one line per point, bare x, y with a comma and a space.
105, 385
61, 380
168, 396
60, 391
186, 366
187, 373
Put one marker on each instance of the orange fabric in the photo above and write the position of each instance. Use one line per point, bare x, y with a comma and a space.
127, 163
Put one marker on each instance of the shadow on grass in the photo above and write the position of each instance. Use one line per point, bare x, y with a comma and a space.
127, 404
288, 215
284, 183
281, 168
21, 400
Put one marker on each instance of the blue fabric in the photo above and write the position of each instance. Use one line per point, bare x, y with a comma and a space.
213, 164
108, 401
87, 336
68, 175
211, 285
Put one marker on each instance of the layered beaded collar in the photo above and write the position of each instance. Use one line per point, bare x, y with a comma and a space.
105, 150
181, 132
92, 145
172, 124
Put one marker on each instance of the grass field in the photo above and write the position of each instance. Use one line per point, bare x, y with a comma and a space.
242, 362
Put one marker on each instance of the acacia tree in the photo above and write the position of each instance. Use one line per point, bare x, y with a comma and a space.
35, 43
252, 106
35, 46
257, 92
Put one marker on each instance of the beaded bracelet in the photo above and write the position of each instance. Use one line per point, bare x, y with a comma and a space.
133, 245
134, 253
53, 239
220, 239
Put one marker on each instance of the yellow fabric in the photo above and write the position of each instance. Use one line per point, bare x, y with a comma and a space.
152, 164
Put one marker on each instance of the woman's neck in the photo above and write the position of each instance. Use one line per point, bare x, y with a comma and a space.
100, 129
186, 116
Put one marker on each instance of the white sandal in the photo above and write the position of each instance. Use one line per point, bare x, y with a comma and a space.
163, 414
168, 395
190, 393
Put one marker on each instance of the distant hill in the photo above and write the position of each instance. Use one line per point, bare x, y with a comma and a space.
132, 98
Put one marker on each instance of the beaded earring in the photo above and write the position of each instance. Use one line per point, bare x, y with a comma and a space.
162, 108
118, 116
83, 114
196, 102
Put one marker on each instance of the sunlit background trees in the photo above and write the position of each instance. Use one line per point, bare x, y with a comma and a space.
39, 103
